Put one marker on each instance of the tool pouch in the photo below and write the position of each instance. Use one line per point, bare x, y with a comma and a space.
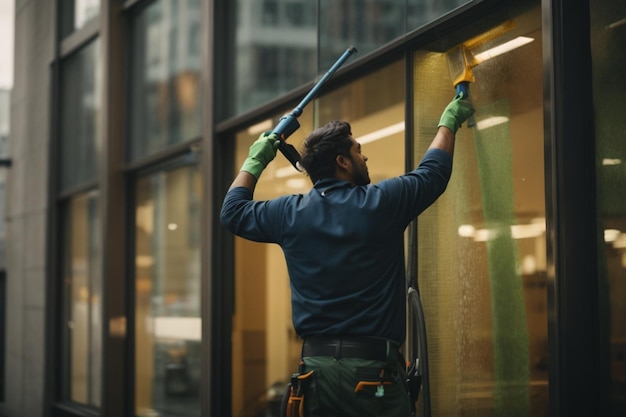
372, 381
293, 404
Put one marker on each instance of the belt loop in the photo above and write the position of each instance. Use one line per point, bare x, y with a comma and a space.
388, 345
338, 349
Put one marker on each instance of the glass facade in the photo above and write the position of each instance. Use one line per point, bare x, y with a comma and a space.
481, 249
167, 294
80, 112
486, 312
83, 294
608, 37
165, 100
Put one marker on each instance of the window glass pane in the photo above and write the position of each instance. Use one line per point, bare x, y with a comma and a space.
167, 303
420, 12
369, 24
165, 77
608, 37
83, 300
482, 246
76, 13
80, 110
366, 24
265, 349
276, 43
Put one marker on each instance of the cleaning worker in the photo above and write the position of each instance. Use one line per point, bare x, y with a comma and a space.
343, 243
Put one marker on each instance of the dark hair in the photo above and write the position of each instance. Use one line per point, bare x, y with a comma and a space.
322, 146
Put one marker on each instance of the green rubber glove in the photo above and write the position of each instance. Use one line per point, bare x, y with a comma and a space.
261, 153
458, 111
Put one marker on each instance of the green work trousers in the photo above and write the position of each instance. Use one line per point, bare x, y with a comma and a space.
356, 387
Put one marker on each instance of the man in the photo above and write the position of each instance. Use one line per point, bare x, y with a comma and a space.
343, 243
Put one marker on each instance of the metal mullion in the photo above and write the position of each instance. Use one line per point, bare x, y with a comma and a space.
80, 37
571, 211
216, 254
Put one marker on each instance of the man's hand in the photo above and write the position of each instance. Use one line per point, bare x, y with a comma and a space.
261, 153
458, 111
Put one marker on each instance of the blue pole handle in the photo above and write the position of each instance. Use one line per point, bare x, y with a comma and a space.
289, 123
463, 87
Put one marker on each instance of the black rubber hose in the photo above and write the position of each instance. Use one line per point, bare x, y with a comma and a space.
418, 320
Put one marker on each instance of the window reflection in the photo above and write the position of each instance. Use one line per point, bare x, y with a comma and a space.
76, 13
80, 100
276, 42
167, 285
265, 348
369, 24
283, 44
481, 247
83, 295
165, 80
420, 12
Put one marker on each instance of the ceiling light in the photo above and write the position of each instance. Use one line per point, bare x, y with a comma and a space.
483, 235
611, 161
181, 328
518, 231
491, 122
381, 133
611, 235
466, 230
503, 48
525, 231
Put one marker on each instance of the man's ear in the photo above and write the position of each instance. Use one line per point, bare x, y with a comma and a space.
342, 162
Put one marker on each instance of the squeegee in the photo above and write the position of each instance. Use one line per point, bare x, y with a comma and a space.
461, 60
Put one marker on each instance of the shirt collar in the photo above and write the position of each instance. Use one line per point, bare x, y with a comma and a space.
327, 184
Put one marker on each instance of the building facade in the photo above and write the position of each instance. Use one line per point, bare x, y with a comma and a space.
129, 119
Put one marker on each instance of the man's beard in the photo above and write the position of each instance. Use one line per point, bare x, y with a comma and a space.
361, 177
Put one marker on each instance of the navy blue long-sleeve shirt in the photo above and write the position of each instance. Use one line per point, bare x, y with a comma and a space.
344, 246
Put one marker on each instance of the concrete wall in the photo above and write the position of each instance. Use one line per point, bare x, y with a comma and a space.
27, 203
